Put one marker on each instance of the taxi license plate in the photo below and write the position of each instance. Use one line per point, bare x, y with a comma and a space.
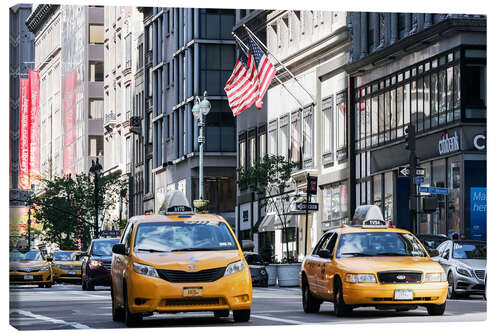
403, 295
193, 292
28, 277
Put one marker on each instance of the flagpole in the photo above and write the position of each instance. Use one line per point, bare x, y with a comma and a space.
254, 37
239, 41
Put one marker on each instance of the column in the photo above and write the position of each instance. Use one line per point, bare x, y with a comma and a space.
394, 27
364, 34
196, 25
176, 134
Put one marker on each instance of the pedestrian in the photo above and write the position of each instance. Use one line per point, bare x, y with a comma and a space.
454, 236
462, 237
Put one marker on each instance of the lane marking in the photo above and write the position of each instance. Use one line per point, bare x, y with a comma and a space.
51, 320
287, 321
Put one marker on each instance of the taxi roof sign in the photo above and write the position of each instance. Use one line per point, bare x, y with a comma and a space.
369, 216
175, 202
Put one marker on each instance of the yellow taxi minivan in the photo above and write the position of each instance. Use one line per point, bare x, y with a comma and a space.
67, 266
371, 264
29, 267
179, 261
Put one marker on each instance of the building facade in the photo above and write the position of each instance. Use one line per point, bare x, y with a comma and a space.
428, 70
303, 120
122, 26
186, 52
69, 56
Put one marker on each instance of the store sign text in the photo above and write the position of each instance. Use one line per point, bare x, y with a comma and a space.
480, 142
448, 144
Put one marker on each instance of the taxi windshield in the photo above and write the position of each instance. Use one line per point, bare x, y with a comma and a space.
378, 244
183, 236
29, 256
103, 247
469, 250
65, 256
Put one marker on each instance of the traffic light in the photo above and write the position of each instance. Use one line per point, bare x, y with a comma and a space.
410, 138
312, 185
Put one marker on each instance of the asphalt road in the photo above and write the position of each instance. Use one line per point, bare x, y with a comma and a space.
68, 307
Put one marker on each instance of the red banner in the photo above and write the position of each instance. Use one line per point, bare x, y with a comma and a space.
24, 134
34, 163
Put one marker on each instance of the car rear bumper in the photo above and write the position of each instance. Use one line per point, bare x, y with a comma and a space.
148, 294
375, 293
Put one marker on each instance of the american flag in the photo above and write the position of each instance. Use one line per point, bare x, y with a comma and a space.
265, 69
242, 88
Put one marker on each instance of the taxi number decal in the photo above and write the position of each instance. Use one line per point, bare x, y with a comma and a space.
193, 292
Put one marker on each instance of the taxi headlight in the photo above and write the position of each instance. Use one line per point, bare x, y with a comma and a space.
235, 267
435, 277
95, 263
145, 270
463, 271
360, 278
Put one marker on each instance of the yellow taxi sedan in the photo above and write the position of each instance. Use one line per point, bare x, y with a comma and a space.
179, 262
369, 264
29, 268
66, 267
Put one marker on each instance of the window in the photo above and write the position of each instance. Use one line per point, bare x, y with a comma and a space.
140, 55
220, 128
327, 120
262, 144
252, 151
96, 71
374, 122
216, 23
308, 135
284, 139
475, 92
243, 150
128, 102
96, 108
96, 34
216, 66
128, 51
273, 139
295, 136
96, 145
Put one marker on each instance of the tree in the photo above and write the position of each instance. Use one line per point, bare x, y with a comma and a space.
65, 207
271, 179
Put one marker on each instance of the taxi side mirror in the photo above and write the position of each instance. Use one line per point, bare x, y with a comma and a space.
119, 249
433, 253
324, 253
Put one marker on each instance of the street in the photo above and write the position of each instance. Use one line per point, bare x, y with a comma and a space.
68, 307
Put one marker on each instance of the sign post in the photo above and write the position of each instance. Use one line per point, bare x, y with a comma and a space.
312, 188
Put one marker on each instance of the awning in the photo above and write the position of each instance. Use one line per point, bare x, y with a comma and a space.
290, 222
267, 223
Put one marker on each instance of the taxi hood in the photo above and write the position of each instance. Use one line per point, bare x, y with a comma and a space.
28, 263
378, 264
68, 263
181, 260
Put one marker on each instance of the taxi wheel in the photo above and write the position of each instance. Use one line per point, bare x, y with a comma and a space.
451, 287
221, 313
116, 312
131, 319
436, 309
309, 303
341, 309
48, 285
40, 285
241, 315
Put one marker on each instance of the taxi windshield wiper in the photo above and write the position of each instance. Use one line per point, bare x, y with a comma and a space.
196, 249
151, 250
356, 254
393, 254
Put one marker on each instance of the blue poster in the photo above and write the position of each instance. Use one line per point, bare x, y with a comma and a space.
478, 213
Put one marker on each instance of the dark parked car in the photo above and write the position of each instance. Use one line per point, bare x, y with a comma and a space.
96, 265
257, 269
431, 242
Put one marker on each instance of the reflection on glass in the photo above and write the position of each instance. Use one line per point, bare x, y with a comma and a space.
434, 99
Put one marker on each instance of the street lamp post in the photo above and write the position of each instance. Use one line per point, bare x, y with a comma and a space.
200, 110
96, 169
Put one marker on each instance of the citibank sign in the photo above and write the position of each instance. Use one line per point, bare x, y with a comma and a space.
448, 144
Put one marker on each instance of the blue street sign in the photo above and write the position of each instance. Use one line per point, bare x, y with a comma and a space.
418, 180
433, 190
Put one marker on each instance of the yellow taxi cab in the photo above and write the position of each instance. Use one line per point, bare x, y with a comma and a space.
179, 262
29, 268
370, 264
67, 266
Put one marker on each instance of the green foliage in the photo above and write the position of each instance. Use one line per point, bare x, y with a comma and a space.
271, 179
65, 207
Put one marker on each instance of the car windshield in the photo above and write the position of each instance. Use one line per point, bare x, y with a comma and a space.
65, 256
103, 247
183, 236
374, 244
469, 250
30, 255
254, 259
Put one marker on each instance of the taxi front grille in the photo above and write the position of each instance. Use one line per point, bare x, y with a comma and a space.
21, 278
214, 301
399, 277
207, 275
